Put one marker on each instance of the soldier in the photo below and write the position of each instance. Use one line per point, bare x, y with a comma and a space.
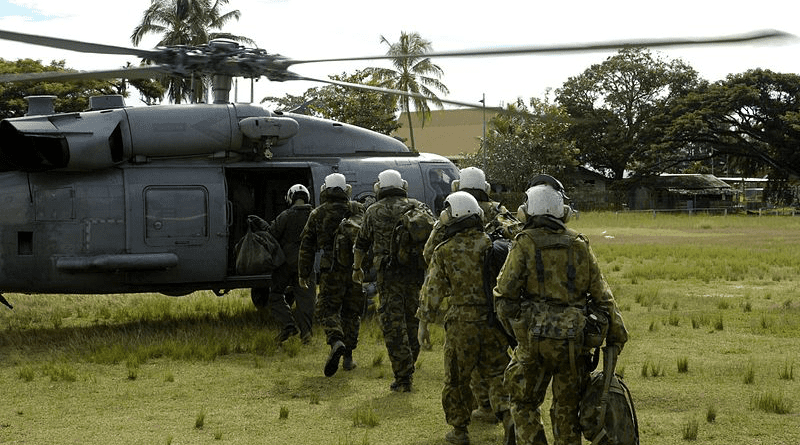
548, 278
398, 287
472, 342
287, 228
498, 221
340, 302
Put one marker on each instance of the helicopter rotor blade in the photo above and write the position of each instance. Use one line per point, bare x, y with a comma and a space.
378, 89
75, 45
60, 76
755, 36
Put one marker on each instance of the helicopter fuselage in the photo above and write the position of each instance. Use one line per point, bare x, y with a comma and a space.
154, 199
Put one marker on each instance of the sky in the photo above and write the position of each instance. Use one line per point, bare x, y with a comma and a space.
314, 29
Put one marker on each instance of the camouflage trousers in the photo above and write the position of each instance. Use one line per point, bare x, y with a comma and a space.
527, 377
340, 304
471, 347
399, 300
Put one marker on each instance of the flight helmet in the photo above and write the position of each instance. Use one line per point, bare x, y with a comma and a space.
297, 191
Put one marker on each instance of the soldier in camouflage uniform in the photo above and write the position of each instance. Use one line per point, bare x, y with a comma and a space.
472, 342
548, 278
398, 288
498, 221
340, 302
286, 228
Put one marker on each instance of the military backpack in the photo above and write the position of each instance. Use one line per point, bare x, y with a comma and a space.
409, 236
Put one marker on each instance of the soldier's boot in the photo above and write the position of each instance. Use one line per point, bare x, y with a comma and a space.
509, 432
332, 364
485, 414
401, 384
458, 435
348, 364
285, 333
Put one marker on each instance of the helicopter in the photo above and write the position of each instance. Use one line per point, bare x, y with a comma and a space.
120, 199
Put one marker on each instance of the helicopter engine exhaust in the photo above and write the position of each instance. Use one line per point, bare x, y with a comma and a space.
101, 139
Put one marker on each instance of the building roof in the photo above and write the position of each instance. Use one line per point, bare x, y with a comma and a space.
690, 184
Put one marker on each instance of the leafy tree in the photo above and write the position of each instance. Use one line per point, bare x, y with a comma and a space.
617, 110
524, 141
70, 96
752, 119
368, 109
185, 22
414, 73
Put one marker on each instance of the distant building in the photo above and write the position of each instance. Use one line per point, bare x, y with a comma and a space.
448, 132
681, 192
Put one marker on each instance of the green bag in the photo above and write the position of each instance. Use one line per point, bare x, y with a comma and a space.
409, 236
607, 414
258, 253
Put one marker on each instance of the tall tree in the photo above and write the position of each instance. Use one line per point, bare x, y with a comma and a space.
525, 140
617, 107
752, 119
185, 22
367, 109
414, 73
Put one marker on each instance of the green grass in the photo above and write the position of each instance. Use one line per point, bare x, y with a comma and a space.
718, 296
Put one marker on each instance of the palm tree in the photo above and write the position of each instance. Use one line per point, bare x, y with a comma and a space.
414, 73
185, 22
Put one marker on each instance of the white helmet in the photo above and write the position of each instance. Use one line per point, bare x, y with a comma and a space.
543, 199
336, 180
291, 194
470, 178
462, 204
390, 179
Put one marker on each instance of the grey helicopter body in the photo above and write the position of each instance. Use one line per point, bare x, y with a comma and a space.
154, 199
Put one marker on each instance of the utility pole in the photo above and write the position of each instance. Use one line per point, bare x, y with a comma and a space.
483, 140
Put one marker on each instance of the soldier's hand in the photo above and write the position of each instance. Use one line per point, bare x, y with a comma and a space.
358, 276
303, 282
424, 336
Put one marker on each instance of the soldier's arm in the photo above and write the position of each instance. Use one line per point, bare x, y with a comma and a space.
601, 293
434, 290
511, 281
436, 237
308, 247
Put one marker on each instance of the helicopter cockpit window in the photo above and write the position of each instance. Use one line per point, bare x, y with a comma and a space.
178, 213
440, 179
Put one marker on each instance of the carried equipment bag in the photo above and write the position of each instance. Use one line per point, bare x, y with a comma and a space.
345, 237
607, 414
409, 236
258, 253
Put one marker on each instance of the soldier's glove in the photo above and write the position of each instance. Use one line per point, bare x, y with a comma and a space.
424, 336
303, 282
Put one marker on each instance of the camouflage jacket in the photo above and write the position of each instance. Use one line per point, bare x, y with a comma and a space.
379, 222
456, 273
518, 282
495, 218
287, 228
319, 233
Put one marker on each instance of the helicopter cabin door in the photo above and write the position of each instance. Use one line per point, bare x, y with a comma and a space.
178, 210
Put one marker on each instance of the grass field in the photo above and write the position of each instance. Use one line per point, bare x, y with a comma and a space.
712, 304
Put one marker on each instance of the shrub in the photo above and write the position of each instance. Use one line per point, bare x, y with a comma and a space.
690, 430
683, 365
771, 403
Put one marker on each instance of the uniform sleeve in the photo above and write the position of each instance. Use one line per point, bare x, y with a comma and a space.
364, 238
601, 293
436, 237
308, 246
511, 281
435, 289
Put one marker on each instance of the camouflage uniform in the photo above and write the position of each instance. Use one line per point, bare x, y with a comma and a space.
498, 220
398, 288
340, 302
531, 307
287, 228
471, 343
